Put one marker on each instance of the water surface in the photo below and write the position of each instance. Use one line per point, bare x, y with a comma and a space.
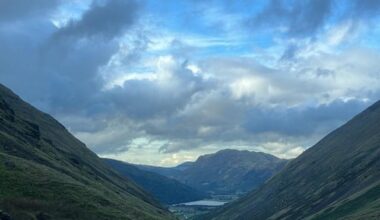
205, 203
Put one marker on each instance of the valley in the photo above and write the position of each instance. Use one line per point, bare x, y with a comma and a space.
34, 141
189, 110
186, 196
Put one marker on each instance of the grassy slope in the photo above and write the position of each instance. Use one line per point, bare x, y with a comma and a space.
166, 190
338, 178
44, 169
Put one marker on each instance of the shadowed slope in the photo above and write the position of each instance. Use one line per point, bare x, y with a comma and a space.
338, 178
167, 190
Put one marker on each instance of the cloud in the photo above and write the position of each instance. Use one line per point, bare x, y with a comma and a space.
302, 121
305, 19
225, 112
134, 82
163, 93
106, 20
115, 136
299, 18
365, 8
17, 10
67, 66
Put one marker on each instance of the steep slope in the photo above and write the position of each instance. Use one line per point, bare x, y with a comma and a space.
226, 171
338, 178
167, 190
46, 173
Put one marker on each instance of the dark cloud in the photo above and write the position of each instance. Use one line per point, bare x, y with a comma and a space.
62, 74
365, 8
11, 10
302, 121
106, 20
144, 99
119, 145
299, 18
290, 53
221, 120
208, 115
73, 55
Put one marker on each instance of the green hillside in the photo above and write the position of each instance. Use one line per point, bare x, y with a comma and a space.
338, 178
46, 173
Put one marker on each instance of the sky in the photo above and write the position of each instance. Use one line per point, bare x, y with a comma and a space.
162, 82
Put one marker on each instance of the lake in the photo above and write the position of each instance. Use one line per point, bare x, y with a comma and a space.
204, 203
188, 210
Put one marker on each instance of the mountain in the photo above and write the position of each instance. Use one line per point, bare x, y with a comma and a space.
338, 178
226, 171
184, 166
167, 190
231, 171
171, 172
46, 173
